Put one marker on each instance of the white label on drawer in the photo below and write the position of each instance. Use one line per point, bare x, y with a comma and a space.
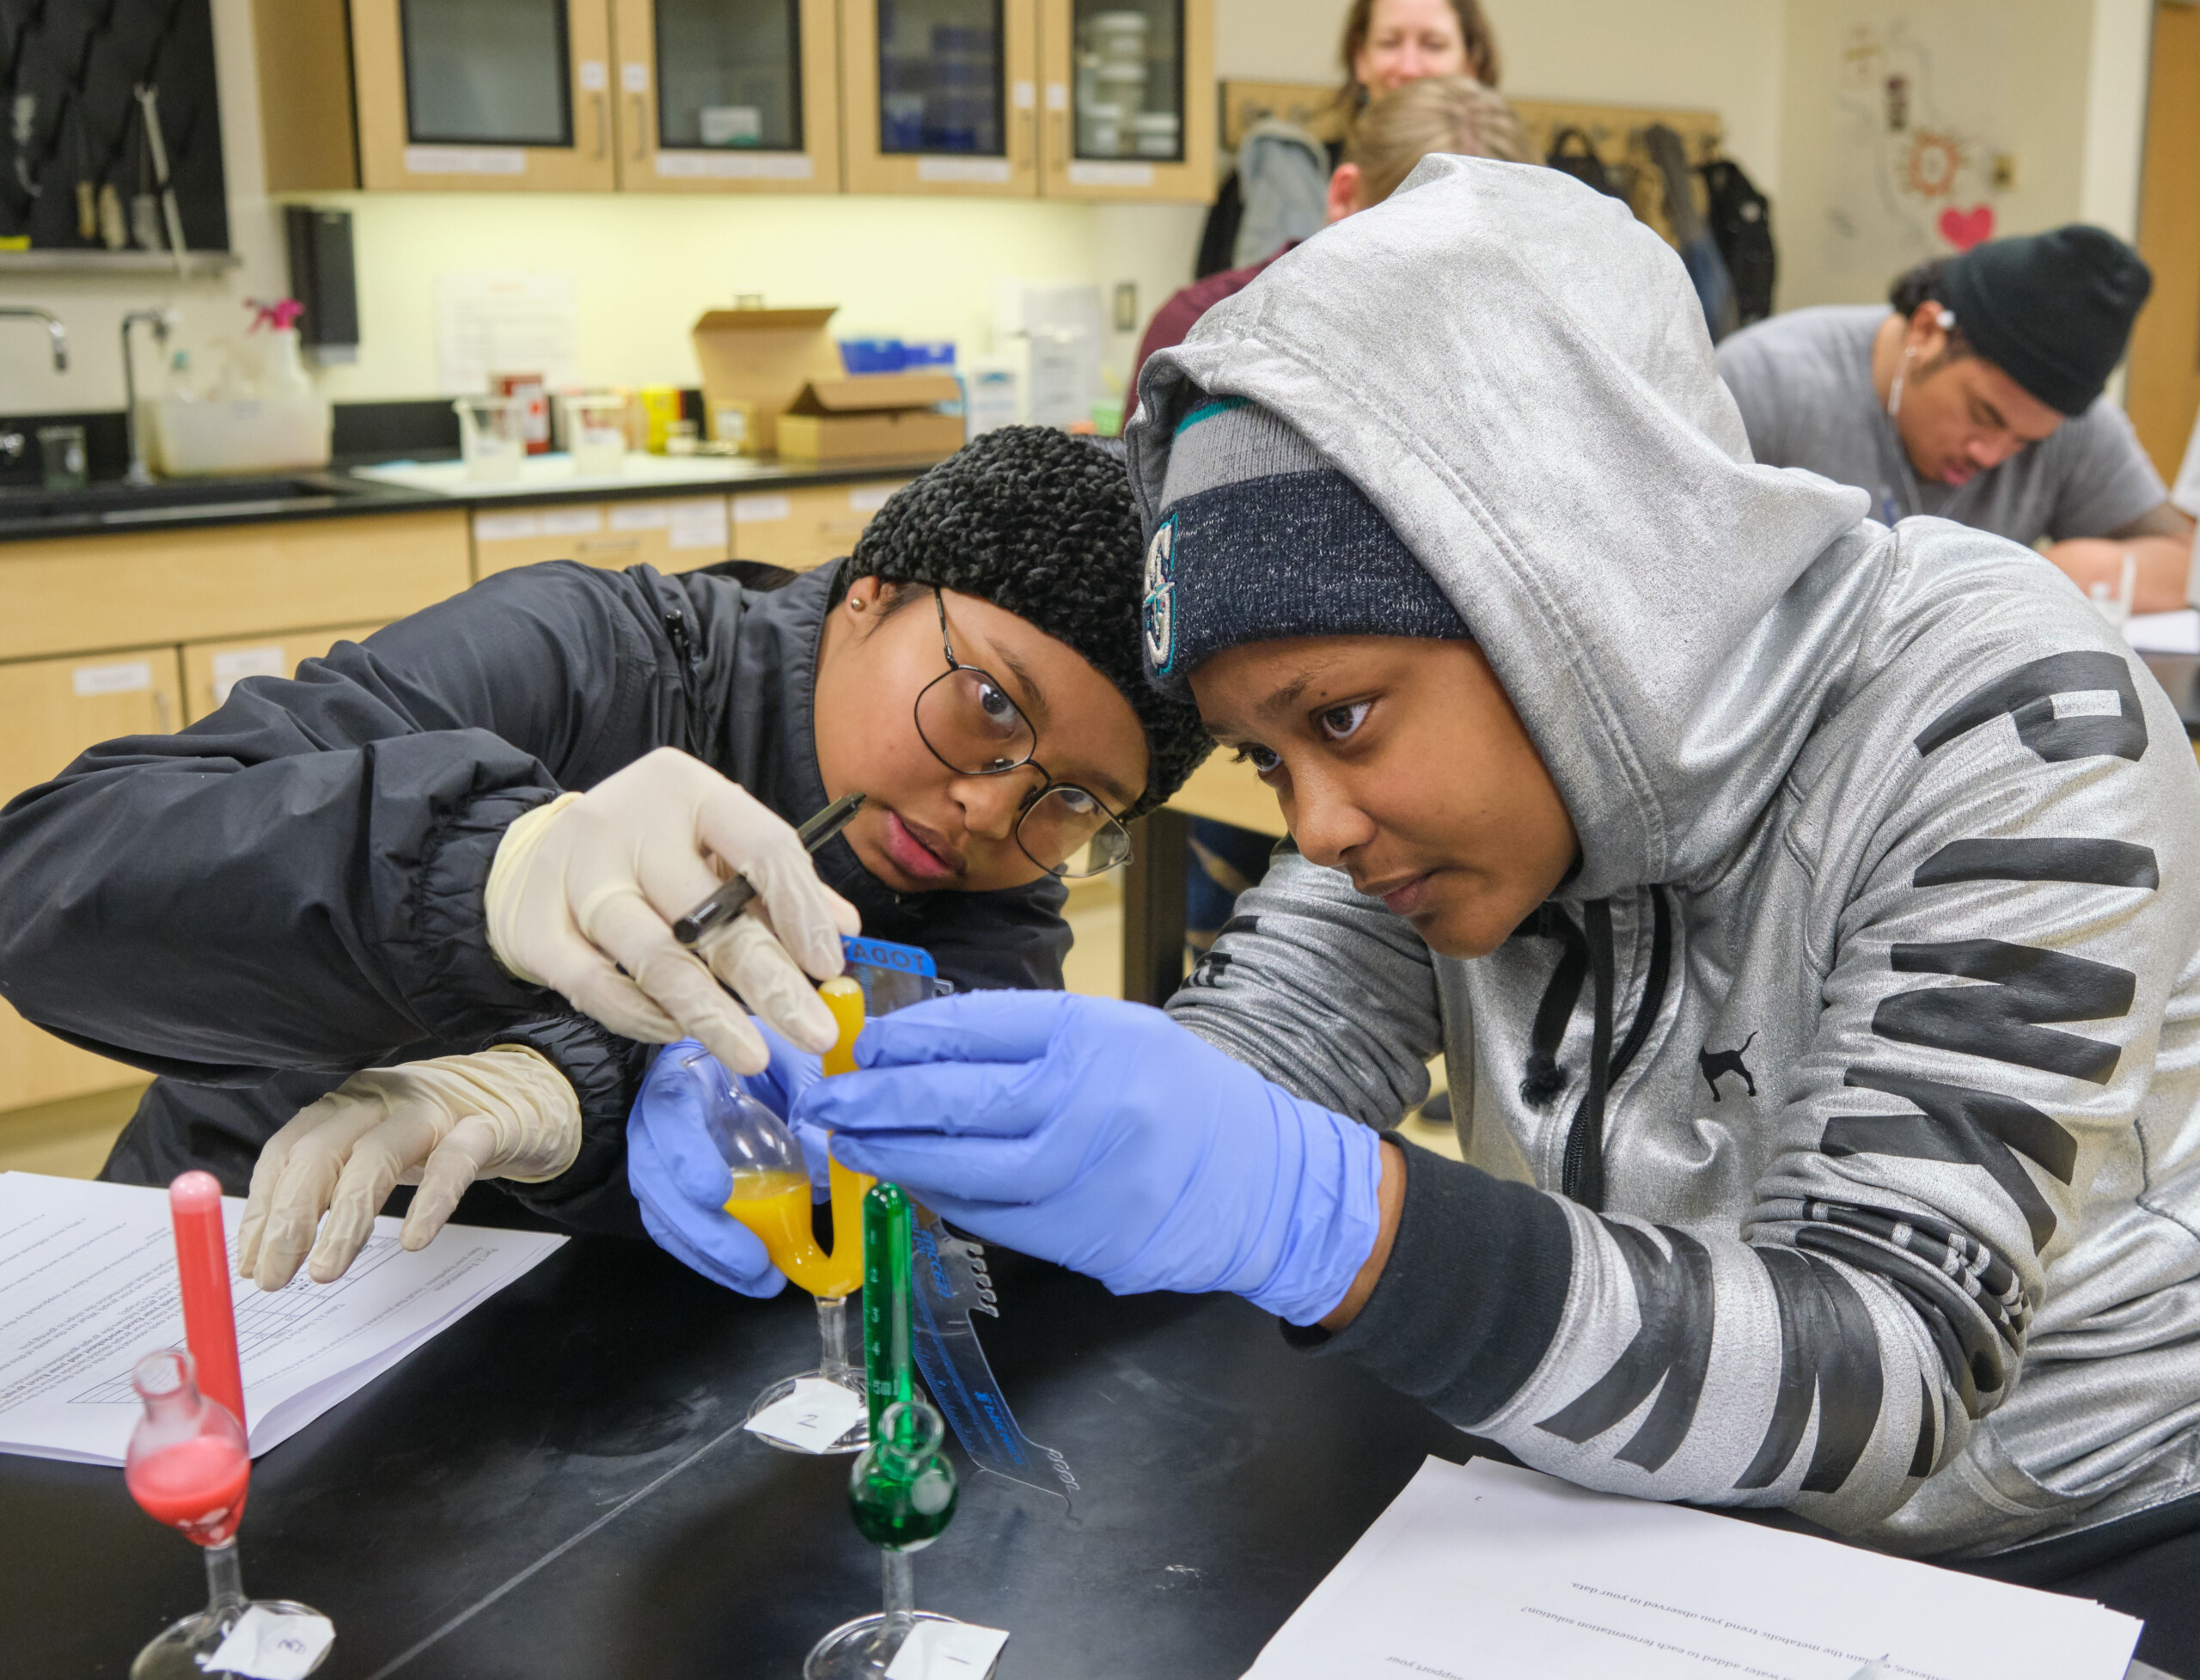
505, 527
465, 161
634, 78
761, 509
595, 77
572, 521
870, 497
699, 523
125, 678
735, 166
1058, 95
234, 667
1111, 174
641, 515
964, 171
1023, 94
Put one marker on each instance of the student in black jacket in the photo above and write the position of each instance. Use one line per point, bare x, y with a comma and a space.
305, 885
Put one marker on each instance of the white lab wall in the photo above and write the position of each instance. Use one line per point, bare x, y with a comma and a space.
2075, 109
646, 267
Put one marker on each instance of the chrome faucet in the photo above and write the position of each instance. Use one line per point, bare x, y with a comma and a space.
158, 321
54, 331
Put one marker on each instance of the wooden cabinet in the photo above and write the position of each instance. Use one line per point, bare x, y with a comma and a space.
1076, 99
1129, 92
70, 594
941, 96
460, 94
211, 669
806, 525
675, 535
54, 709
728, 96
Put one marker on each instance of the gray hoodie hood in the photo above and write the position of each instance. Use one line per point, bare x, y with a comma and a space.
1562, 458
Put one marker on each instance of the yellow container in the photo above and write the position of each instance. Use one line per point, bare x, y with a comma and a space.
660, 407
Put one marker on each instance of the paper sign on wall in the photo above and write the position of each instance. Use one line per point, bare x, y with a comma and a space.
490, 324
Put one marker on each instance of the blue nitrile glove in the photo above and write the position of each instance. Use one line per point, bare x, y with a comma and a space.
791, 1071
1103, 1136
681, 1180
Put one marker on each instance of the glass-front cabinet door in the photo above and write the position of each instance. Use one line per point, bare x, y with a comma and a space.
718, 95
940, 96
484, 94
1130, 99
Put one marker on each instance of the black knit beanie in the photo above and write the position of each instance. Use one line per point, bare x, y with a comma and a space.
2052, 310
1043, 525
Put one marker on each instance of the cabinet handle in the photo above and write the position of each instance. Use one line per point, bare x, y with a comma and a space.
1059, 159
641, 126
160, 712
1030, 158
602, 126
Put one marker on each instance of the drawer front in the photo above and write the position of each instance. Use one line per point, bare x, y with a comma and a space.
675, 535
212, 668
808, 525
35, 1067
55, 708
220, 582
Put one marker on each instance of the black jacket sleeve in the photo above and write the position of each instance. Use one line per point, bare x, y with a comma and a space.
296, 882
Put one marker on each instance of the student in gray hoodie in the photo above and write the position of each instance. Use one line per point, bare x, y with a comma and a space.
1807, 911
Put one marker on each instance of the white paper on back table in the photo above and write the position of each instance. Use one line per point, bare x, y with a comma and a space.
88, 1283
1485, 1571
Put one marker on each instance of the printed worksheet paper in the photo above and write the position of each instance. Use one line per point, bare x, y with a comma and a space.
1483, 1572
87, 1284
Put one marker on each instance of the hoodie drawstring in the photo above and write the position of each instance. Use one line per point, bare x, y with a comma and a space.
1589, 949
1583, 1178
1544, 1078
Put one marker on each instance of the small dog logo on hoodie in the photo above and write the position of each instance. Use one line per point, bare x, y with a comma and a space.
1716, 1063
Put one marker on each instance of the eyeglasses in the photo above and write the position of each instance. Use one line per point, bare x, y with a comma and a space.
973, 728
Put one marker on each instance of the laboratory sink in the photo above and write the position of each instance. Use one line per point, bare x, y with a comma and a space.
27, 508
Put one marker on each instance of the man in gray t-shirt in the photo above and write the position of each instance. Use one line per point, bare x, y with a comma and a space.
1977, 398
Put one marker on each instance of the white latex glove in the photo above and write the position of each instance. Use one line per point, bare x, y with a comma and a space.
590, 884
504, 1113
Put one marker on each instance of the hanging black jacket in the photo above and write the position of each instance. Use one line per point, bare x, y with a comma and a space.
291, 890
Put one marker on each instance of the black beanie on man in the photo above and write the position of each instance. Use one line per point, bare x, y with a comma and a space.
1043, 525
2052, 311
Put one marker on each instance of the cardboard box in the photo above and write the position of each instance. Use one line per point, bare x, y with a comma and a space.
762, 359
872, 416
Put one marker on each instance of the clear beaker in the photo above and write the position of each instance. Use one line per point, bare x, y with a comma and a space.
61, 457
491, 437
595, 434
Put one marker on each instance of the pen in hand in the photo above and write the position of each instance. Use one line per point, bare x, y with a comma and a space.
731, 899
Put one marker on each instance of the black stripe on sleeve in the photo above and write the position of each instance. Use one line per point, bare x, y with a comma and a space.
1976, 1129
1828, 1353
2001, 1020
2092, 863
2026, 695
1671, 1351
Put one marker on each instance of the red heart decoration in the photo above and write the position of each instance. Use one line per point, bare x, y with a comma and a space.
1964, 229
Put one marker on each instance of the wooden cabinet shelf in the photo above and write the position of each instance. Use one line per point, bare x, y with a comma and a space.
1066, 99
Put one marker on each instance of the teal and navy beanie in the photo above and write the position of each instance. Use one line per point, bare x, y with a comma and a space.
1260, 538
